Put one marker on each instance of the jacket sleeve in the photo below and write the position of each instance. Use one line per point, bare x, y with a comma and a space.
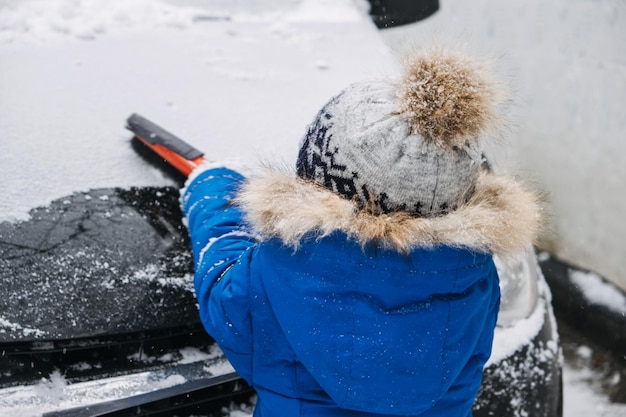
221, 245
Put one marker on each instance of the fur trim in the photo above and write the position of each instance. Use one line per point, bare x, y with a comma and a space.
447, 97
501, 217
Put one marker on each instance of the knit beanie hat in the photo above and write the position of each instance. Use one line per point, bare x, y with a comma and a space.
413, 145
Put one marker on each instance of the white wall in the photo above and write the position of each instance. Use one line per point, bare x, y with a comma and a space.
566, 62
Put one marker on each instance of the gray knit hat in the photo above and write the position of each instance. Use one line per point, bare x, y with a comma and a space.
413, 145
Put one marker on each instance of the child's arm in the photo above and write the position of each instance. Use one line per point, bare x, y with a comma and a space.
211, 218
221, 243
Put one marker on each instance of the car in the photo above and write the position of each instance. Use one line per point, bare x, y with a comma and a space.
100, 314
133, 327
523, 375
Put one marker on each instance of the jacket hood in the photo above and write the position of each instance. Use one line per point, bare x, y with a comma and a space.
502, 217
380, 331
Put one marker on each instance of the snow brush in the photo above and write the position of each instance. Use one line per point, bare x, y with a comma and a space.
172, 149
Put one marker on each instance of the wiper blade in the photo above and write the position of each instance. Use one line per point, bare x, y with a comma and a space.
207, 396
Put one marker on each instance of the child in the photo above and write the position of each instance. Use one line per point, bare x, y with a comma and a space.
364, 284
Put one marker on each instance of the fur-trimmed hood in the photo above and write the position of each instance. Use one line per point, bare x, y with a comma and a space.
502, 217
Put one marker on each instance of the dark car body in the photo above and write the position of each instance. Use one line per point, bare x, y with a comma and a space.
138, 305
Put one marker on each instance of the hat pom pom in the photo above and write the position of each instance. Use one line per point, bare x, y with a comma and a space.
447, 97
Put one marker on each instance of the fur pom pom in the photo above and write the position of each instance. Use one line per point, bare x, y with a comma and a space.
447, 97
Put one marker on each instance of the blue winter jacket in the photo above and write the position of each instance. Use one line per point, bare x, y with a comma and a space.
325, 322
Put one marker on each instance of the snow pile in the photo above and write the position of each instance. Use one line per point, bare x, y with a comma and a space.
55, 392
34, 21
151, 273
42, 20
599, 292
324, 10
508, 340
586, 387
7, 326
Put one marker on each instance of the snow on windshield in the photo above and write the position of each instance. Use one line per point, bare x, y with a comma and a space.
234, 82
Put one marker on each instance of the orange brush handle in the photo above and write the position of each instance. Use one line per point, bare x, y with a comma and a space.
182, 164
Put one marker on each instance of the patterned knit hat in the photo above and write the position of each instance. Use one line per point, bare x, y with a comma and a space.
411, 146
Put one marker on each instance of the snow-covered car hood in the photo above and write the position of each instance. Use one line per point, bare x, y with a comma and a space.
234, 82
